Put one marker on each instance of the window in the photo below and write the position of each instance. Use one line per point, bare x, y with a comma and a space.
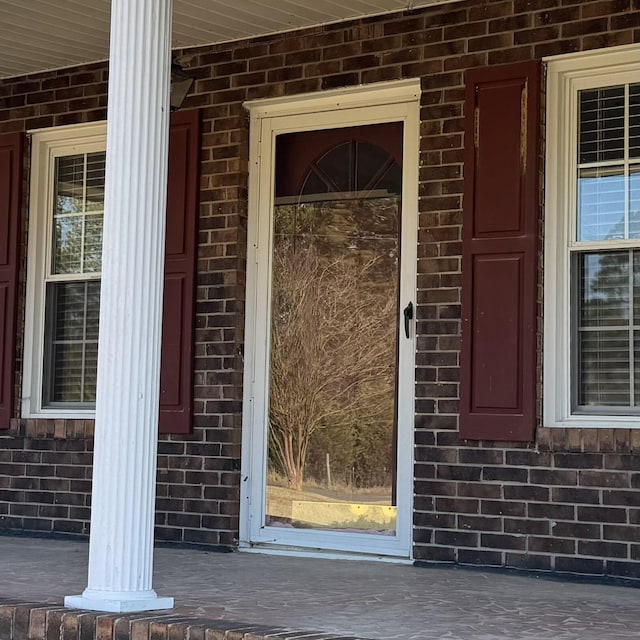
592, 241
64, 263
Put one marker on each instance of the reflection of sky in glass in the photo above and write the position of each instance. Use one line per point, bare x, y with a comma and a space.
68, 204
601, 204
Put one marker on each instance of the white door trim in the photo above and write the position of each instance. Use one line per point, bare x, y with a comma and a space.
387, 102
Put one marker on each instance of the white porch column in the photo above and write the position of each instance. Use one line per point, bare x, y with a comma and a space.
126, 430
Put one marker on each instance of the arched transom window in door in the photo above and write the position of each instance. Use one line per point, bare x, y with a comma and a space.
334, 330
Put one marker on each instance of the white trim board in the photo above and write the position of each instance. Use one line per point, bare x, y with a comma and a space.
46, 145
566, 75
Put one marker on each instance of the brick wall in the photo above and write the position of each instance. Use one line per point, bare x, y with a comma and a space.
569, 502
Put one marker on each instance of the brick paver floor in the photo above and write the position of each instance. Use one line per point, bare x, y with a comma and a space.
364, 599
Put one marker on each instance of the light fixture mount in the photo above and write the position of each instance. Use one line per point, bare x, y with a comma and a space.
181, 83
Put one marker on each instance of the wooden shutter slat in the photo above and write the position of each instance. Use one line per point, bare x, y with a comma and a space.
10, 198
500, 253
176, 369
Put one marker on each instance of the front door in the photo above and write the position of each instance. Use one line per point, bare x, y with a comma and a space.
333, 338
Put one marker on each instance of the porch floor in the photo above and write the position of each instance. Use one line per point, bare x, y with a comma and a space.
338, 597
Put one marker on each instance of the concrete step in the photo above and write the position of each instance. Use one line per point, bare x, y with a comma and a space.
32, 621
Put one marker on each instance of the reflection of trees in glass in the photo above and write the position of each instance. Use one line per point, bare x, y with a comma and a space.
72, 339
609, 305
78, 244
604, 282
605, 288
365, 227
333, 339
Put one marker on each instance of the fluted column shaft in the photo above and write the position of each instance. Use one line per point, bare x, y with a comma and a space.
126, 429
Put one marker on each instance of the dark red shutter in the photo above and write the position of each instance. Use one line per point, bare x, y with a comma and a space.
500, 253
10, 189
176, 374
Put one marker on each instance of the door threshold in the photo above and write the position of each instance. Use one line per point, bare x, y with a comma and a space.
300, 552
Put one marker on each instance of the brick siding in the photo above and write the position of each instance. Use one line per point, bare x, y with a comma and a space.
569, 502
49, 622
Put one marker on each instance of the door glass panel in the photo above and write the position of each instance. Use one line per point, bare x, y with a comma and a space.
334, 332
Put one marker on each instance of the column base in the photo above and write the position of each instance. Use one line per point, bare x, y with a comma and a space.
118, 601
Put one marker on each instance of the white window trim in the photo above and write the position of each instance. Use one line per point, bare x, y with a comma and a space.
46, 145
566, 75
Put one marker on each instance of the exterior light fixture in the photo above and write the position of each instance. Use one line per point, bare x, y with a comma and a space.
180, 85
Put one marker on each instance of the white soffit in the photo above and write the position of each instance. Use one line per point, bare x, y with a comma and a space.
36, 35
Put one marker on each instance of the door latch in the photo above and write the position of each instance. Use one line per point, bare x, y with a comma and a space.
408, 317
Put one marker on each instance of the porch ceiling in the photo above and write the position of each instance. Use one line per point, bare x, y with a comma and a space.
38, 35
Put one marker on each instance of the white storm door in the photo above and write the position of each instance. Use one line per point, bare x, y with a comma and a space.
330, 342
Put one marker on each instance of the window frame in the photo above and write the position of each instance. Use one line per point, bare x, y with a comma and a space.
566, 76
46, 146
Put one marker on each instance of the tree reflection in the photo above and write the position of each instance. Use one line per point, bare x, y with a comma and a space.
333, 340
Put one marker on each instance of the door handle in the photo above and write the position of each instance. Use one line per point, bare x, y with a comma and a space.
408, 317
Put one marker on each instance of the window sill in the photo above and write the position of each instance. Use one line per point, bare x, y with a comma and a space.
595, 422
60, 414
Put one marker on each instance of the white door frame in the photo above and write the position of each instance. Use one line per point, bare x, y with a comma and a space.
373, 104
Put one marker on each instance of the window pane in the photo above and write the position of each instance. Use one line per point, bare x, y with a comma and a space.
601, 204
636, 287
607, 298
391, 181
67, 244
69, 184
95, 182
71, 342
68, 305
634, 121
634, 201
601, 124
90, 371
78, 211
372, 162
92, 244
67, 364
337, 166
93, 310
604, 368
636, 367
604, 289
